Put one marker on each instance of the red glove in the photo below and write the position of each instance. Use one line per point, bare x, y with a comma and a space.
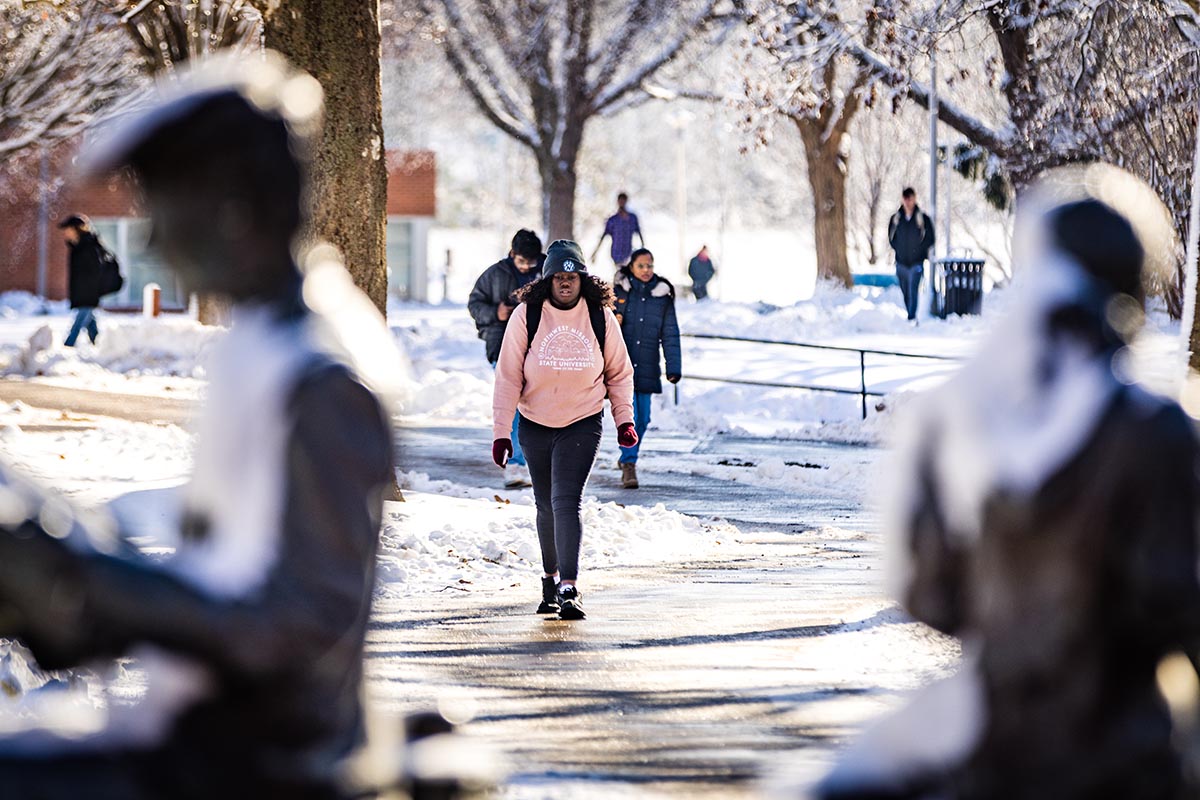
501, 451
626, 435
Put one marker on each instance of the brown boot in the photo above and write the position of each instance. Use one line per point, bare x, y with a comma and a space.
629, 476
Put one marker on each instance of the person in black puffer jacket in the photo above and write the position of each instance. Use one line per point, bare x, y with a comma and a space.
646, 311
492, 301
83, 275
493, 298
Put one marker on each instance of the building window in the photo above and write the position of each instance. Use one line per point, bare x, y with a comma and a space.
400, 257
127, 237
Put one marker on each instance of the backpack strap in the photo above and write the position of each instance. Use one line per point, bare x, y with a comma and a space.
599, 325
533, 318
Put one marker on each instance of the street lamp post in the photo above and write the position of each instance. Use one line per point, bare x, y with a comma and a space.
679, 121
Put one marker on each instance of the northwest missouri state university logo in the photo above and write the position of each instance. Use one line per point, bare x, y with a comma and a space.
565, 348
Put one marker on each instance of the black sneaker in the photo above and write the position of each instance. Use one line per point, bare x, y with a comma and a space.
570, 603
549, 597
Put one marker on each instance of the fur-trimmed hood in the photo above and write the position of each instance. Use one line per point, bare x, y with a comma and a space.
661, 288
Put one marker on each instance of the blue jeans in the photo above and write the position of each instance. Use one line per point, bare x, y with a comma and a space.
518, 457
641, 421
910, 286
84, 318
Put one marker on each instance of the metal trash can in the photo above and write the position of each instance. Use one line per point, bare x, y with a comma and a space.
957, 286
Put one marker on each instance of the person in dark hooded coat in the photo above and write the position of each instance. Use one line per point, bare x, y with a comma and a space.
1047, 517
492, 302
251, 634
646, 311
83, 275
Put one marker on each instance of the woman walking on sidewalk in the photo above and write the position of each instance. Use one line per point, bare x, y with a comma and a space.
646, 311
562, 354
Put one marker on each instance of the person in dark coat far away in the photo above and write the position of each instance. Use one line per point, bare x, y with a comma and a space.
646, 311
492, 301
1047, 517
83, 275
250, 635
701, 270
910, 233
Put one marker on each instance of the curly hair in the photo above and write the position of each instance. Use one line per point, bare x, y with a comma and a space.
592, 288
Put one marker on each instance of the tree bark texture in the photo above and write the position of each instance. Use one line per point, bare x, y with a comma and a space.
547, 77
339, 45
558, 197
827, 180
212, 309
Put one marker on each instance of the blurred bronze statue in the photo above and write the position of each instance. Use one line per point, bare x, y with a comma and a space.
1048, 520
251, 634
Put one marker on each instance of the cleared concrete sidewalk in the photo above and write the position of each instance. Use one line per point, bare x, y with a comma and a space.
694, 679
132, 407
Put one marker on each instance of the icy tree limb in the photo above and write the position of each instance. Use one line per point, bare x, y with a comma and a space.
607, 96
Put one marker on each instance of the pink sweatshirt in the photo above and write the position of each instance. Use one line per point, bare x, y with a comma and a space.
565, 378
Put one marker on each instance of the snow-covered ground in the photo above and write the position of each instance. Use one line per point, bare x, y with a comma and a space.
445, 535
453, 382
134, 355
450, 535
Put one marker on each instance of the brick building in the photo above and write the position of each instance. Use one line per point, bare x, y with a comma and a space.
123, 227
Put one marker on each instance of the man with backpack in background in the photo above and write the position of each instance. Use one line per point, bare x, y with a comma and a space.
92, 272
492, 302
910, 233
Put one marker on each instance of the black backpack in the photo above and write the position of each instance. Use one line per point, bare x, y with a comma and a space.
110, 280
533, 318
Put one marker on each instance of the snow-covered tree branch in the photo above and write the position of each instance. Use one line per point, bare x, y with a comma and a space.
807, 78
171, 33
63, 66
539, 71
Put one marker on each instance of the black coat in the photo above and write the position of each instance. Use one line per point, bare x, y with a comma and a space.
701, 271
498, 284
647, 324
911, 238
83, 271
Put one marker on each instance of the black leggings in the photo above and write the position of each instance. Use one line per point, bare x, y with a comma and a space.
559, 462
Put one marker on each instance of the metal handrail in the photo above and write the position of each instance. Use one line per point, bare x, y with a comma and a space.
818, 346
862, 391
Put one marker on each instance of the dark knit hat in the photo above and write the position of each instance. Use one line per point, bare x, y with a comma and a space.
77, 221
563, 256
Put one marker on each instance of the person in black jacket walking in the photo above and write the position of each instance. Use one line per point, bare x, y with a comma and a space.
646, 311
910, 233
492, 301
83, 275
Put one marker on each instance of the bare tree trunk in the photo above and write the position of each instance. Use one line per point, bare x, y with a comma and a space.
212, 309
558, 195
339, 44
873, 203
827, 179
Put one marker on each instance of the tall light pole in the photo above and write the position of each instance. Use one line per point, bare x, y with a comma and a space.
43, 226
679, 121
949, 202
933, 137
